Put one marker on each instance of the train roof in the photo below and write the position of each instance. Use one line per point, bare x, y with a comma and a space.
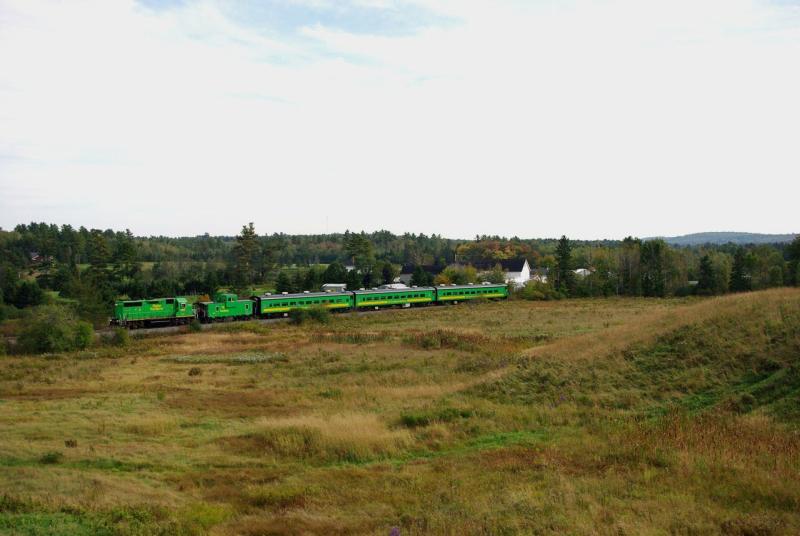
389, 290
302, 295
477, 285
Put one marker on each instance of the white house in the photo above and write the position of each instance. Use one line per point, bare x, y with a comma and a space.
517, 271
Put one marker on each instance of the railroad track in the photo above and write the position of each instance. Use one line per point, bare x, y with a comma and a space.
107, 332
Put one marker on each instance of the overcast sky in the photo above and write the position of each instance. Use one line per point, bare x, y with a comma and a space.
591, 118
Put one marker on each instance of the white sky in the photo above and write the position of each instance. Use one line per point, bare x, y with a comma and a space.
591, 118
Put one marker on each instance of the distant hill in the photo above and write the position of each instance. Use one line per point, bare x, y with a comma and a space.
726, 237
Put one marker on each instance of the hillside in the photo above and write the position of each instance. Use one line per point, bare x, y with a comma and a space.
614, 416
697, 239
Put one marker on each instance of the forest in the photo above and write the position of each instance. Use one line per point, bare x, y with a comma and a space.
87, 269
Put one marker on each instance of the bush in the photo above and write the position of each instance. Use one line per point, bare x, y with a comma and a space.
195, 326
9, 312
317, 314
53, 328
27, 294
120, 338
535, 290
298, 316
50, 458
84, 335
422, 418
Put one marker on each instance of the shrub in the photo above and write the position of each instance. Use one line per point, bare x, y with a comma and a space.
195, 326
535, 290
84, 335
317, 314
53, 328
298, 316
195, 371
422, 418
26, 294
51, 457
120, 338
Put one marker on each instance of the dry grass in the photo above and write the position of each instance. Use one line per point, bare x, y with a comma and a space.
583, 417
151, 426
349, 437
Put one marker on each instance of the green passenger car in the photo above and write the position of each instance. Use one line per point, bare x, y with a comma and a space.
142, 313
271, 304
377, 298
224, 307
456, 293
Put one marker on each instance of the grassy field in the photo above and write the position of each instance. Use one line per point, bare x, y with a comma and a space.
619, 416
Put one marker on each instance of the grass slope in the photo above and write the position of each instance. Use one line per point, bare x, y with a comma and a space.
581, 417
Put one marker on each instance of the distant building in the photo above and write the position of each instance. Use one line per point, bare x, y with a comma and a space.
37, 258
394, 286
334, 287
539, 274
517, 271
583, 272
407, 272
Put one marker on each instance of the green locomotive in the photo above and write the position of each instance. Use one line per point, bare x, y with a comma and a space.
145, 313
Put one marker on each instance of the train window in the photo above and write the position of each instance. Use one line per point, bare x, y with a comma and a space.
170, 301
132, 304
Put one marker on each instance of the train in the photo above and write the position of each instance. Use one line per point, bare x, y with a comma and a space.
226, 306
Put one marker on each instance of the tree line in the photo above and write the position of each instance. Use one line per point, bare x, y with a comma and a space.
90, 268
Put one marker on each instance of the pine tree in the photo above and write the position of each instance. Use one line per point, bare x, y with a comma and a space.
298, 282
651, 263
245, 254
421, 278
388, 272
361, 251
335, 273
99, 254
284, 283
793, 253
313, 279
564, 274
124, 258
740, 279
705, 284
354, 280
